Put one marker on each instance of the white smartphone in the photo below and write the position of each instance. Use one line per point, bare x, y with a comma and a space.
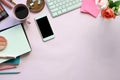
44, 27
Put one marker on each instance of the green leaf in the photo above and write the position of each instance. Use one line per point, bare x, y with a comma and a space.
117, 3
109, 0
113, 4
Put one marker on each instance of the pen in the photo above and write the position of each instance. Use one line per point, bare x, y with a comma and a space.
1, 8
5, 2
12, 2
9, 73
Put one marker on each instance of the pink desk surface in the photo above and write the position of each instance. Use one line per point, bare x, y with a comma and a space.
84, 48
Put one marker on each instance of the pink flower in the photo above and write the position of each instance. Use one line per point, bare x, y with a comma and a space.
108, 13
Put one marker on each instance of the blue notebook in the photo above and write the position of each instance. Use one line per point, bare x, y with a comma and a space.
13, 61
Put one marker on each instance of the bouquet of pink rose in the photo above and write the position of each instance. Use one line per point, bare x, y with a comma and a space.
110, 8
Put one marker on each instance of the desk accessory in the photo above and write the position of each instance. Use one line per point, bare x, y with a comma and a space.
6, 3
11, 1
35, 5
90, 7
1, 73
21, 12
18, 43
3, 13
44, 27
59, 7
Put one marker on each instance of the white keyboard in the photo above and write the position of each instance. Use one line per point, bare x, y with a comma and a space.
58, 7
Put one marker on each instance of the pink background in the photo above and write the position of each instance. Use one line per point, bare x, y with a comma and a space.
84, 48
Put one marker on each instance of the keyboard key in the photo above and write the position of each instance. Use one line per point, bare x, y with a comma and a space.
59, 12
52, 7
51, 3
64, 10
48, 0
60, 8
54, 14
54, 10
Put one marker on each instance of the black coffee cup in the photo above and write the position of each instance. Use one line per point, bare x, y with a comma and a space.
21, 12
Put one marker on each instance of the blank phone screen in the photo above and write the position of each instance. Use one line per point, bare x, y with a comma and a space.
44, 27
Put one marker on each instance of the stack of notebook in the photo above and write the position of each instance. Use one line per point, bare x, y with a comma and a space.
17, 45
10, 64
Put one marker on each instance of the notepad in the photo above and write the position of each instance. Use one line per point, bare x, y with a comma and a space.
90, 7
17, 42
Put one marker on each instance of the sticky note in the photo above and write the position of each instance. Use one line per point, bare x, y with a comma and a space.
90, 7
